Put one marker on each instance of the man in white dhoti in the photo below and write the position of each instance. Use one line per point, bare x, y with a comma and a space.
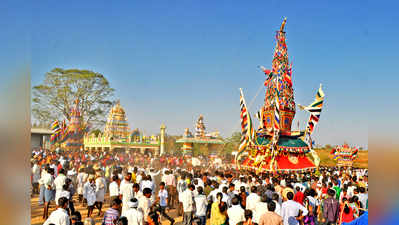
89, 193
100, 192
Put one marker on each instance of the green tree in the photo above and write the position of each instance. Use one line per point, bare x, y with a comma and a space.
200, 149
96, 132
61, 87
171, 146
232, 143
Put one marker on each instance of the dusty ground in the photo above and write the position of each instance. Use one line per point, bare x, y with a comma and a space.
37, 212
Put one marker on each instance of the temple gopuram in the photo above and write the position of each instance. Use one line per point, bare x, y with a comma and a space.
201, 137
118, 137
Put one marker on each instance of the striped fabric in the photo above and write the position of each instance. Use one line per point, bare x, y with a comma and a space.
287, 75
110, 216
259, 115
276, 125
277, 111
314, 109
247, 131
55, 126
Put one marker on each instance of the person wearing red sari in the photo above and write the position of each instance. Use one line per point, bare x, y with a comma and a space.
347, 213
299, 196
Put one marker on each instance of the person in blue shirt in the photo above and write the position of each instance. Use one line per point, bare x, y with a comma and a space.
362, 220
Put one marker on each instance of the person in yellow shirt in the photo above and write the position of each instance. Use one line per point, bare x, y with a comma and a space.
133, 180
361, 183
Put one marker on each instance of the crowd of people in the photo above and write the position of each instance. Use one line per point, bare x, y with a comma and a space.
140, 189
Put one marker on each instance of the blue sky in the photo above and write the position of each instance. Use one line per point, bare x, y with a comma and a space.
170, 61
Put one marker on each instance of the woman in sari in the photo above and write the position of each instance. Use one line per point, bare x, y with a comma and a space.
218, 211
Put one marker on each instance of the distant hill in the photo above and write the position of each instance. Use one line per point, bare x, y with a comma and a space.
327, 160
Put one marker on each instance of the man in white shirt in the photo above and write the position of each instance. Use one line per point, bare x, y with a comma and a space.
53, 165
59, 216
41, 184
145, 202
136, 191
81, 180
235, 212
231, 193
252, 199
162, 198
133, 215
101, 188
128, 178
170, 182
89, 193
200, 205
62, 161
35, 177
126, 192
290, 210
147, 183
114, 189
59, 181
260, 209
276, 199
363, 197
49, 192
188, 205
152, 173
139, 176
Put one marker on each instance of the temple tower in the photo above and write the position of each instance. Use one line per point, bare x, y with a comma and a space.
279, 85
75, 129
117, 126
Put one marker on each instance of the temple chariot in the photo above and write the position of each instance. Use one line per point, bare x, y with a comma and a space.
345, 155
274, 146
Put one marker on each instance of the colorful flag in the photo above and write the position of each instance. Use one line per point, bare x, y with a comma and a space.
268, 74
55, 126
314, 109
259, 115
276, 126
266, 71
247, 131
354, 153
288, 77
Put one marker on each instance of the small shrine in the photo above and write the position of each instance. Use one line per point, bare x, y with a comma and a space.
117, 136
344, 155
211, 140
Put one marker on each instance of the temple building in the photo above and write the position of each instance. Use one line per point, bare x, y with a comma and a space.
118, 137
211, 140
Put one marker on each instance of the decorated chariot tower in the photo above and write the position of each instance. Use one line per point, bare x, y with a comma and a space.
274, 146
